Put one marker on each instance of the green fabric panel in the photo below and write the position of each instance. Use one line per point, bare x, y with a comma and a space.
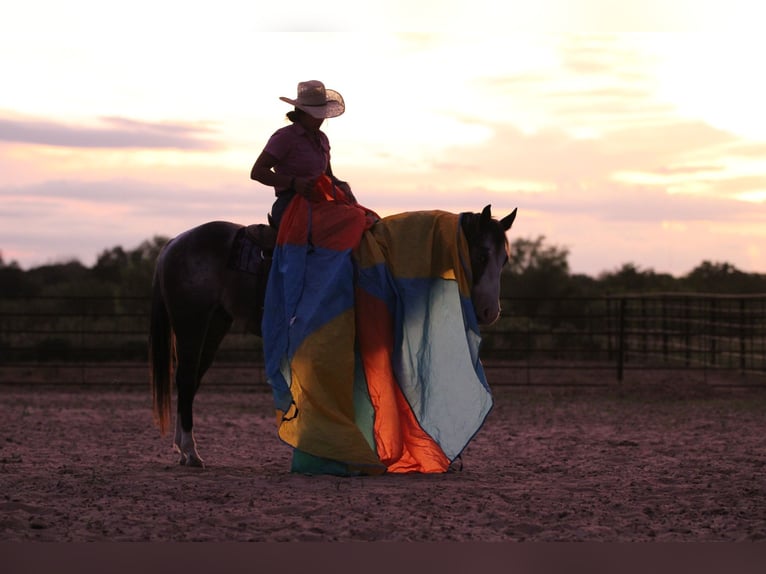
364, 412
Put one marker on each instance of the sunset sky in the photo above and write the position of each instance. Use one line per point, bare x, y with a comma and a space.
627, 135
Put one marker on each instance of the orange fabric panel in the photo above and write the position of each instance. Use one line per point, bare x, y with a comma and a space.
400, 442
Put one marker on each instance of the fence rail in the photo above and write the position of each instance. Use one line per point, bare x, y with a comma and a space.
585, 341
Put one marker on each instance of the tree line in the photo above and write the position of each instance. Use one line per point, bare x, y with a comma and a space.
118, 272
537, 269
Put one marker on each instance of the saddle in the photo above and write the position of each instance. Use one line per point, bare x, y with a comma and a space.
253, 246
263, 235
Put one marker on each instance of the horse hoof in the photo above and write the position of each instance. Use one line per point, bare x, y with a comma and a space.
195, 462
192, 460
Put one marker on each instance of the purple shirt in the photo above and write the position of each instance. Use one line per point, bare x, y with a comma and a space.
297, 153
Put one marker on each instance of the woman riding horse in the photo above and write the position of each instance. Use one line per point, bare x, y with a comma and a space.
297, 155
370, 326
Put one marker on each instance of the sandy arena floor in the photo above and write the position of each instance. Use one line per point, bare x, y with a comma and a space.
576, 465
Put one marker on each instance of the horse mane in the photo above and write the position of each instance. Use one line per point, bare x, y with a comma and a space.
477, 225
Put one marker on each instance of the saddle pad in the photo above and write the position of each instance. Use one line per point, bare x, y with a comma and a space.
246, 255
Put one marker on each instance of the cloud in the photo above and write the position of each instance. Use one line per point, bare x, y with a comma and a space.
133, 197
112, 133
622, 203
742, 185
553, 157
596, 55
603, 227
61, 220
748, 150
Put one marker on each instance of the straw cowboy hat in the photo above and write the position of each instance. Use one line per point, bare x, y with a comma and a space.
317, 101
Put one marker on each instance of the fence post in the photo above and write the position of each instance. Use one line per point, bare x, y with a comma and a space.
644, 329
621, 340
712, 332
665, 328
81, 351
608, 329
760, 335
687, 332
742, 347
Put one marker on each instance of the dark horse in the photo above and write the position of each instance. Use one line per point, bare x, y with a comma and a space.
198, 293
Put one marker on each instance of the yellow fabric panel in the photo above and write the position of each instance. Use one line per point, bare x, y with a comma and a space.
419, 245
322, 422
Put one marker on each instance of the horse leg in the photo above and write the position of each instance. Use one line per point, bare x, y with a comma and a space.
199, 357
218, 327
189, 342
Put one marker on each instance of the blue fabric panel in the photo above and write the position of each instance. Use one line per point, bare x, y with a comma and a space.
435, 363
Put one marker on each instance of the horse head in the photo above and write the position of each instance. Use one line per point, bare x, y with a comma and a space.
489, 251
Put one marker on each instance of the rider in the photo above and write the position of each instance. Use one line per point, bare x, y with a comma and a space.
297, 155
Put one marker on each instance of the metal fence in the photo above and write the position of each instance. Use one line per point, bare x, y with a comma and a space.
600, 340
567, 341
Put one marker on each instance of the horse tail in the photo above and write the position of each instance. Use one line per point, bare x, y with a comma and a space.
161, 355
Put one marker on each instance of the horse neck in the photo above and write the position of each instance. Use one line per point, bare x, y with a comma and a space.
469, 224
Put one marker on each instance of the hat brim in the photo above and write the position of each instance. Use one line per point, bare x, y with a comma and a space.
331, 109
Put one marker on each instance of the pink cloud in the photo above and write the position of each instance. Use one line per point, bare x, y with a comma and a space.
113, 133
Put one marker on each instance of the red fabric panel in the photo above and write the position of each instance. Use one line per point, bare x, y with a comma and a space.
335, 223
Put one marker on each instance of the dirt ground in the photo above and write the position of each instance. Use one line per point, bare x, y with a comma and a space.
549, 465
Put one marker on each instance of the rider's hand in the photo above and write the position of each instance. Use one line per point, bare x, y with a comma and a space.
304, 186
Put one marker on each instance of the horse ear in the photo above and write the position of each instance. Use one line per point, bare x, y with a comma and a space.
486, 213
507, 221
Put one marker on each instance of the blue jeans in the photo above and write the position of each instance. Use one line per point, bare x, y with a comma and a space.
279, 207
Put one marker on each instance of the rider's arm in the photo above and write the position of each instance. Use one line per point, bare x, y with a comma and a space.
263, 172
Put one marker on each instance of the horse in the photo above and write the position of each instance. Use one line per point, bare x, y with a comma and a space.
198, 291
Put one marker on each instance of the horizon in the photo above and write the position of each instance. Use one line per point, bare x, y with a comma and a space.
621, 145
596, 276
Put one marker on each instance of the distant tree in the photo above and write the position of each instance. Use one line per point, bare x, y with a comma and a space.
536, 269
129, 272
721, 277
137, 278
52, 277
537, 278
4, 265
14, 282
109, 265
149, 250
632, 279
584, 285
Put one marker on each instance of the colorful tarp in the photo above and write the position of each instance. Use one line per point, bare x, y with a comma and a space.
370, 339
